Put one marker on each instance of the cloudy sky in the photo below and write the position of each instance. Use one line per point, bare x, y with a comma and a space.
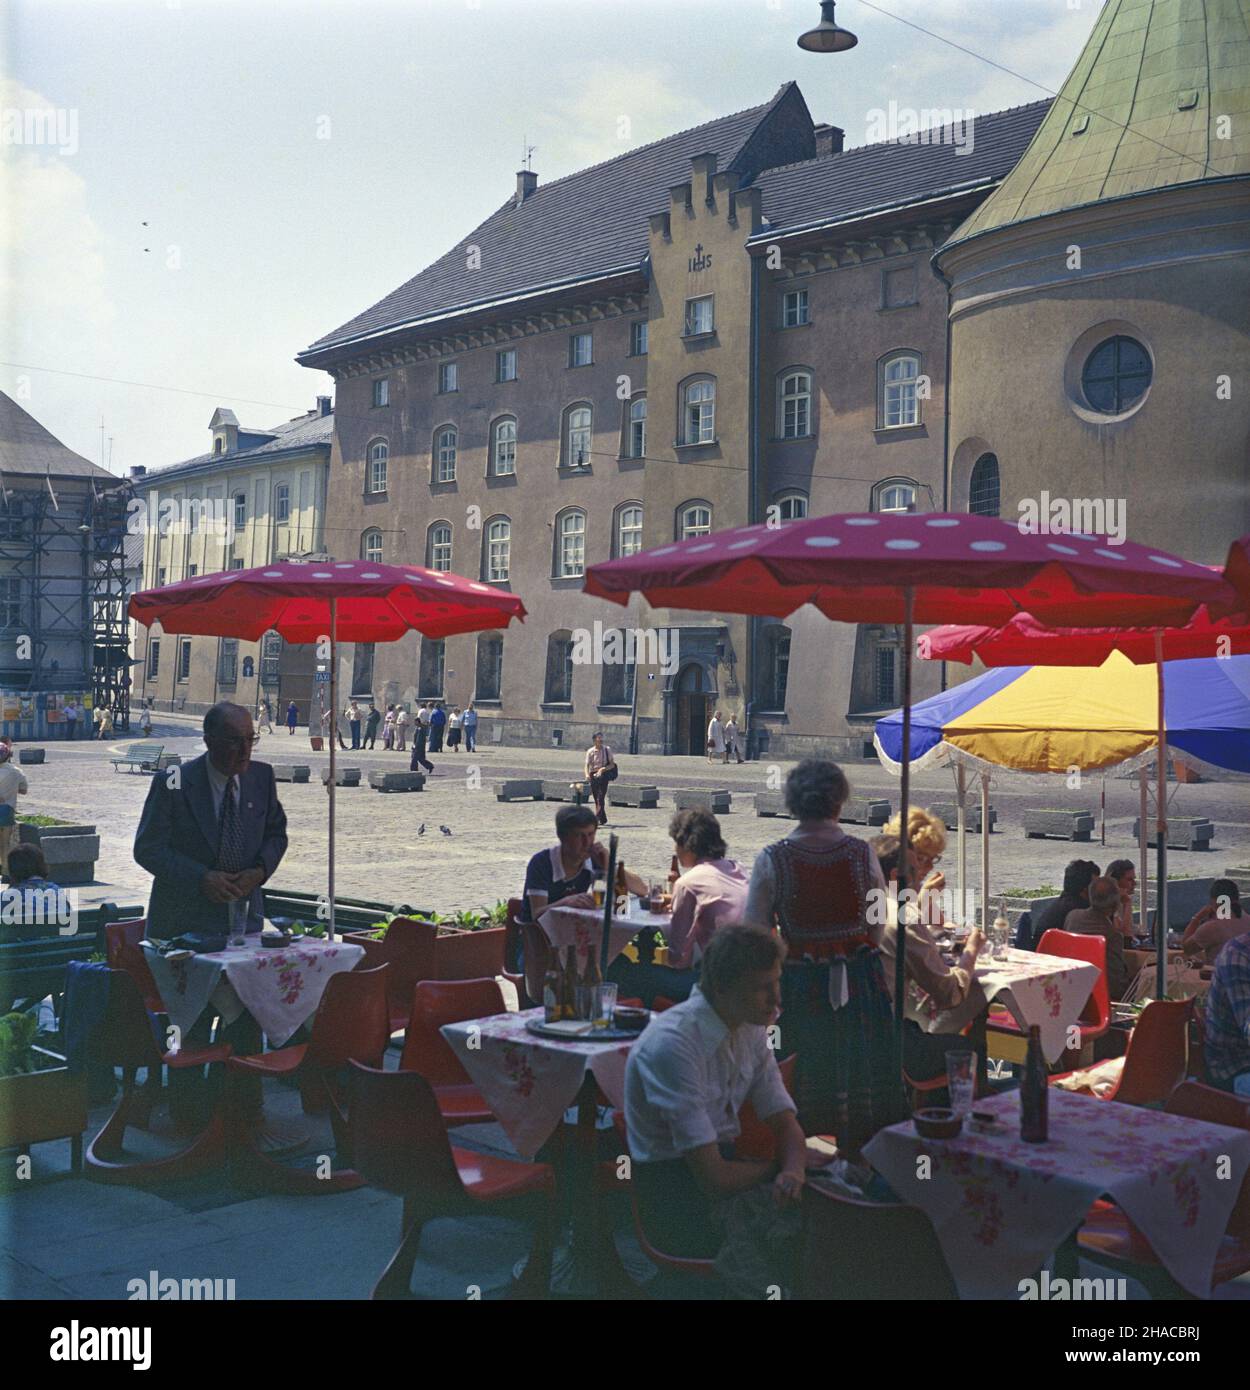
227, 180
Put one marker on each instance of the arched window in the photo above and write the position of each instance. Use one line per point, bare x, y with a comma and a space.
445, 442
219, 445
371, 546
636, 441
498, 558
898, 400
698, 411
558, 687
775, 668
628, 529
1116, 374
379, 453
570, 545
503, 447
489, 680
578, 422
240, 510
794, 404
694, 519
894, 495
791, 506
983, 487
438, 546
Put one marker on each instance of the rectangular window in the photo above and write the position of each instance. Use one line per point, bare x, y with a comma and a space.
184, 659
236, 564
192, 571
638, 338
11, 601
440, 549
160, 577
505, 365
154, 658
579, 349
228, 673
794, 309
377, 471
270, 658
884, 665
240, 510
431, 677
572, 545
382, 391
447, 377
699, 316
282, 503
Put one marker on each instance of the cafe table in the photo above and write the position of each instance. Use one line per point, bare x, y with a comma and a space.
579, 926
1049, 991
529, 1082
1001, 1207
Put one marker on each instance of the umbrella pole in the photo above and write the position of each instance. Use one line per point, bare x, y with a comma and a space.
985, 852
334, 729
1143, 841
1161, 826
961, 800
900, 950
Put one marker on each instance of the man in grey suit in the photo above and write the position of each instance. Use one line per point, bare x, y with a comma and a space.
214, 836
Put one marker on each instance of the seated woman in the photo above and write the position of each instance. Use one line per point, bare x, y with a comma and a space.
942, 1000
565, 873
711, 890
31, 903
817, 887
1213, 926
1124, 872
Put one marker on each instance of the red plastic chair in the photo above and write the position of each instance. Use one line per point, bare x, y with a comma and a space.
124, 1039
408, 954
855, 1250
1109, 1237
755, 1139
1095, 1017
1157, 1055
351, 1024
434, 1003
401, 1145
512, 935
123, 952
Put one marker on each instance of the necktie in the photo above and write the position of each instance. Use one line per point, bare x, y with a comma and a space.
230, 845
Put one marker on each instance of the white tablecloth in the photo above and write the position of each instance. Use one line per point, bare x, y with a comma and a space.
529, 1082
279, 987
1050, 991
1000, 1207
579, 926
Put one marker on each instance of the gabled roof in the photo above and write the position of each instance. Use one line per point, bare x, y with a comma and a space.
1141, 110
304, 432
589, 223
893, 174
26, 447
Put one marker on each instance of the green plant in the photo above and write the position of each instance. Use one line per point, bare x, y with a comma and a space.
42, 820
469, 920
499, 914
97, 958
1046, 890
17, 1038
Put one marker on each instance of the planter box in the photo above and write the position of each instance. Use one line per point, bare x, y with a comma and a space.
867, 810
718, 801
771, 804
298, 772
38, 834
71, 858
1059, 825
343, 777
520, 789
30, 755
630, 794
317, 742
565, 791
1193, 832
469, 955
949, 814
41, 1106
397, 781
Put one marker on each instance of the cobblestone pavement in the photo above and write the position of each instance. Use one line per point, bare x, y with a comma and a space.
381, 854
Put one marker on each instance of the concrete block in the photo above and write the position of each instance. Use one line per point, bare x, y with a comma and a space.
1058, 825
291, 772
343, 777
632, 794
520, 789
717, 801
397, 781
30, 755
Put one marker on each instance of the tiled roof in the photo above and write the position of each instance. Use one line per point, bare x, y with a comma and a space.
1139, 111
304, 432
893, 173
587, 223
26, 447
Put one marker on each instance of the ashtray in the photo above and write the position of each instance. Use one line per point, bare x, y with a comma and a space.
630, 1020
937, 1122
275, 938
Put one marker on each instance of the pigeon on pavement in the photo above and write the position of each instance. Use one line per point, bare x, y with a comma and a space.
444, 829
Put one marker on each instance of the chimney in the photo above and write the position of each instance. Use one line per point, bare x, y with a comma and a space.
137, 470
829, 140
323, 405
526, 183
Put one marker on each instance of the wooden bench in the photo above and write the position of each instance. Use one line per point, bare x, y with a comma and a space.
1184, 832
139, 755
633, 794
31, 970
291, 772
350, 914
717, 801
30, 755
1058, 825
519, 789
397, 781
343, 777
948, 813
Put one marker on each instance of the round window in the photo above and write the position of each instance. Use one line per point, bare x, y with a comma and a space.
1116, 375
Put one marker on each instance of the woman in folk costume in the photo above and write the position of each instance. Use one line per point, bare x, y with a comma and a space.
817, 888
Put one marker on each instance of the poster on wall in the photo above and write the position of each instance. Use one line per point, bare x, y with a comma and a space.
12, 708
27, 707
54, 714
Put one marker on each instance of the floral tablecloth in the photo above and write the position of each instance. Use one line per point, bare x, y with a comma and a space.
579, 926
529, 1082
279, 987
1047, 990
1001, 1207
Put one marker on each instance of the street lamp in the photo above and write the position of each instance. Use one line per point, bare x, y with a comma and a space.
827, 37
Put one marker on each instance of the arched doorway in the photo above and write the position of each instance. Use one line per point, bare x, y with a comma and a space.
692, 712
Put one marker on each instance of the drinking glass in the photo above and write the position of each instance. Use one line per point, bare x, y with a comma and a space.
603, 1005
599, 889
237, 909
959, 1080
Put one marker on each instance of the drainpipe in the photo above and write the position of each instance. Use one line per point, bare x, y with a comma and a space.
946, 410
753, 463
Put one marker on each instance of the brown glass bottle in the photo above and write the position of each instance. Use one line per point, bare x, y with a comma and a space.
1034, 1093
552, 990
568, 988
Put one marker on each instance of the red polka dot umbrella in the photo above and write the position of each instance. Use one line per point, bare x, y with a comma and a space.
334, 600
914, 567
